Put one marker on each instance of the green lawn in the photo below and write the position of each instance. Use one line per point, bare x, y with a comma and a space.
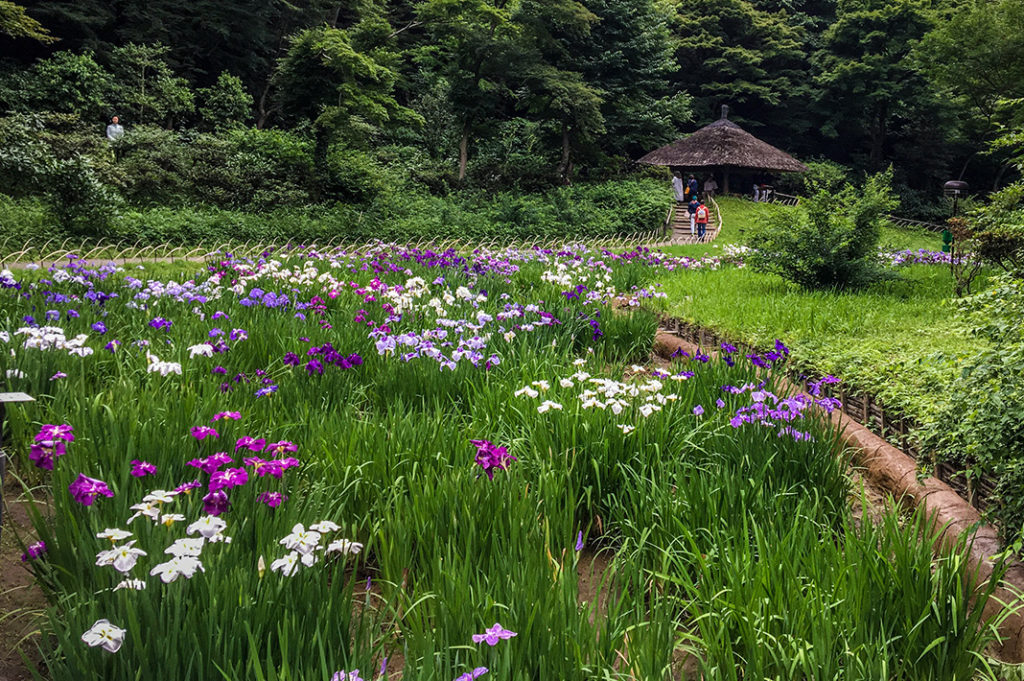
896, 339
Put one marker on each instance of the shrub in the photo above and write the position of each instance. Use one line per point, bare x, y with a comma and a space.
982, 426
832, 242
72, 182
998, 229
226, 104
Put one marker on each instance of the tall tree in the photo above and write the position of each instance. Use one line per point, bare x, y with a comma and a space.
867, 74
347, 93
733, 52
975, 57
629, 55
470, 42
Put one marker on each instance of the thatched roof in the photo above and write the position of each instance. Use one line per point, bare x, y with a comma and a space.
724, 144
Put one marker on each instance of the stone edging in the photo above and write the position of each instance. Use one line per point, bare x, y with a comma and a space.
894, 471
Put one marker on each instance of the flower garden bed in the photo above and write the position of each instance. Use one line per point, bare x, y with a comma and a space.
390, 463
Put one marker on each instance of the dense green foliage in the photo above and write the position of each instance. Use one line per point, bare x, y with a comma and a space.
489, 94
702, 580
582, 211
981, 428
831, 242
896, 340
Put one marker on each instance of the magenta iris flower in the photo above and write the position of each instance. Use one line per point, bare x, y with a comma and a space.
493, 635
274, 467
43, 454
216, 502
233, 415
203, 432
141, 469
490, 457
211, 463
473, 675
187, 487
251, 443
282, 447
232, 477
272, 499
33, 551
84, 489
52, 432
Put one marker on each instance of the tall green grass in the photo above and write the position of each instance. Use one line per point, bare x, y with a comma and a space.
733, 551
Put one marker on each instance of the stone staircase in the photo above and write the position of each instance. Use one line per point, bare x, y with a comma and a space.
678, 225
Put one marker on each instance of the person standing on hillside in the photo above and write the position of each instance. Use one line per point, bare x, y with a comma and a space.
115, 130
702, 221
692, 209
678, 188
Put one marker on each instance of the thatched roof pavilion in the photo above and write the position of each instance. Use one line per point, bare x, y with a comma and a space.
724, 146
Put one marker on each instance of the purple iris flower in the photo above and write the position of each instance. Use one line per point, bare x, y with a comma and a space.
263, 392
473, 675
493, 635
216, 502
272, 499
491, 457
99, 327
203, 432
250, 443
141, 469
85, 490
33, 551
211, 463
579, 540
698, 410
226, 479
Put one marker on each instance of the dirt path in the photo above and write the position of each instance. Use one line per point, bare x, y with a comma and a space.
21, 600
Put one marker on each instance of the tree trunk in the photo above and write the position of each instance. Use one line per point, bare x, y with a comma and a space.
262, 113
999, 176
463, 152
565, 164
878, 135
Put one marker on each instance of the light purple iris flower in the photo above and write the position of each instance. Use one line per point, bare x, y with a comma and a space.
493, 635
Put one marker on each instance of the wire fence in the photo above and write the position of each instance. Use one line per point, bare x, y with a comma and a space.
124, 252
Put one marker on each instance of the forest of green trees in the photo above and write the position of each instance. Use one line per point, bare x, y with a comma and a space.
262, 104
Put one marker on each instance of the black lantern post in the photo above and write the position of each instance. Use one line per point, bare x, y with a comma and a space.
953, 189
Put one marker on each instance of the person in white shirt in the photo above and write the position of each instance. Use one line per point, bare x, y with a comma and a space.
115, 130
678, 187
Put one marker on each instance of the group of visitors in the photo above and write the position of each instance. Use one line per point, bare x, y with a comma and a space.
687, 193
763, 192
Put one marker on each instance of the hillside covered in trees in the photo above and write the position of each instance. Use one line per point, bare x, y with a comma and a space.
260, 104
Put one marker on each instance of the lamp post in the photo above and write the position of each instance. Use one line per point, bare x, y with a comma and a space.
5, 399
953, 189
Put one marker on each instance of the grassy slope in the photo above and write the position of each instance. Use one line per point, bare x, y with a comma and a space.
887, 338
